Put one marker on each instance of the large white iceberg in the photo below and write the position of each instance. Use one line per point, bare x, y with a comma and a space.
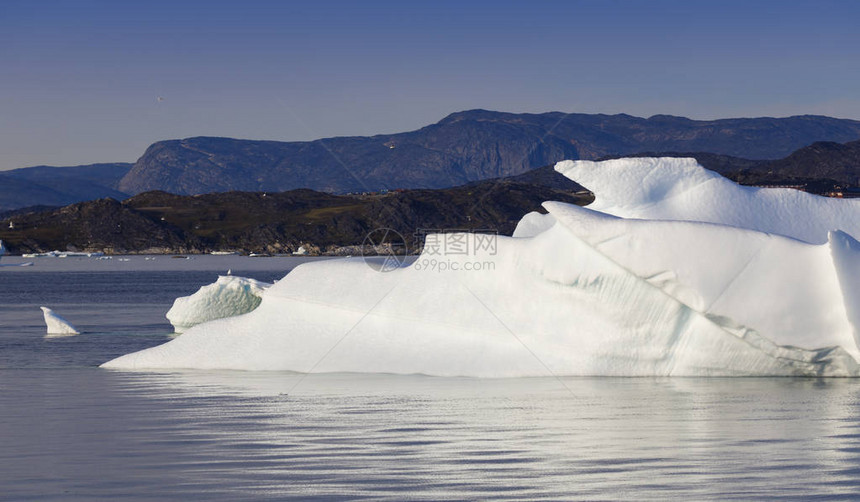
227, 297
575, 292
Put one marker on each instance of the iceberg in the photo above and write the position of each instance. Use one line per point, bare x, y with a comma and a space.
56, 324
681, 189
655, 291
227, 297
593, 316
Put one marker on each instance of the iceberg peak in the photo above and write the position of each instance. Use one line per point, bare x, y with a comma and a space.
669, 188
56, 324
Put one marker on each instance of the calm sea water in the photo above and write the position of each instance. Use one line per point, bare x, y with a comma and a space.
71, 431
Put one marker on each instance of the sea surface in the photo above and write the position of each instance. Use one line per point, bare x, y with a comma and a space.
72, 431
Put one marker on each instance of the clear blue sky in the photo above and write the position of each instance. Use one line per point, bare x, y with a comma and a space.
80, 81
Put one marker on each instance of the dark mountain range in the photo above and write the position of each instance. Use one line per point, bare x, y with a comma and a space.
56, 186
272, 222
281, 222
463, 147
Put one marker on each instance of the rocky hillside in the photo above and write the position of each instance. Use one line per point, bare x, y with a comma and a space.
159, 222
463, 147
822, 160
280, 222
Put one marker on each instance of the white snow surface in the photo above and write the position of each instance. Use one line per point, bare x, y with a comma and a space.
553, 303
787, 290
56, 324
227, 297
576, 292
533, 223
680, 189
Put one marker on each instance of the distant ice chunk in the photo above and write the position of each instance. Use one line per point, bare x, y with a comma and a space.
63, 254
228, 296
56, 324
680, 189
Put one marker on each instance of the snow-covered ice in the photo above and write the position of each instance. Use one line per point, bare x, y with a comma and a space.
227, 297
681, 189
577, 292
533, 223
56, 324
787, 290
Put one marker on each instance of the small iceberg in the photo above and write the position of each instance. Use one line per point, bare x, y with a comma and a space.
227, 297
56, 324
